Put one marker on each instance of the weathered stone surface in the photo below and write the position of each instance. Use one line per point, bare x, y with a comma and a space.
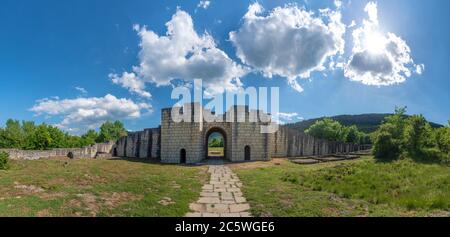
194, 214
197, 207
206, 214
217, 208
239, 207
215, 202
88, 152
209, 200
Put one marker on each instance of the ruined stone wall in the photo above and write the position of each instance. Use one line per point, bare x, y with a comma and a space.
291, 143
249, 134
193, 136
143, 144
176, 136
189, 132
85, 152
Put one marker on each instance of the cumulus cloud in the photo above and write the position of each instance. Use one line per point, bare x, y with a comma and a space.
289, 41
182, 54
283, 118
131, 82
204, 4
89, 113
379, 59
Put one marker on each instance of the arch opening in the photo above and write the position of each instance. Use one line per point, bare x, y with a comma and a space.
183, 156
247, 154
215, 144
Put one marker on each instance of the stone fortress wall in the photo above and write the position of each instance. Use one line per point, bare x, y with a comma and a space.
288, 142
192, 136
243, 139
85, 152
143, 144
168, 141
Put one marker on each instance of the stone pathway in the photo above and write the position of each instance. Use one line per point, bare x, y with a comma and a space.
221, 197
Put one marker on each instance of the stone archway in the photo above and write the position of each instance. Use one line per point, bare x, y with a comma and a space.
215, 152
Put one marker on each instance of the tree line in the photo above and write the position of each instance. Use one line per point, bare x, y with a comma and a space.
215, 142
413, 137
27, 135
399, 136
332, 130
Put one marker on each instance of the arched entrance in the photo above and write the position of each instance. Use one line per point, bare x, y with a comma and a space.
183, 156
215, 144
247, 153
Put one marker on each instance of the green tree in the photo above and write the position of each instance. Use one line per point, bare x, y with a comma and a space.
352, 134
41, 139
442, 136
326, 129
89, 138
58, 137
418, 135
216, 143
111, 131
388, 140
12, 136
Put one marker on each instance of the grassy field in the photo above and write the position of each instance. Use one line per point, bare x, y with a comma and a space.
216, 151
62, 187
350, 188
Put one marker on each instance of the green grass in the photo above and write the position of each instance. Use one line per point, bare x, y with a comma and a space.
216, 151
351, 188
98, 188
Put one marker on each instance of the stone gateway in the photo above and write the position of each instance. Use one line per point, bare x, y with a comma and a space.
187, 141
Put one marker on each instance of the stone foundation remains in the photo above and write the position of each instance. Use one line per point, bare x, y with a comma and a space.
74, 153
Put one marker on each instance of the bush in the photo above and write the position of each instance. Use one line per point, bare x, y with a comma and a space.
4, 161
413, 137
386, 147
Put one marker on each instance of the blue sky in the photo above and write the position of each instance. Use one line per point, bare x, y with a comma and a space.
48, 48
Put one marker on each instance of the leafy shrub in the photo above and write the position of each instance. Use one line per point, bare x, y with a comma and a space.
4, 161
386, 145
412, 137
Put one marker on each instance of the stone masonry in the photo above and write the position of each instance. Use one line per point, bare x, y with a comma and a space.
221, 197
243, 139
94, 151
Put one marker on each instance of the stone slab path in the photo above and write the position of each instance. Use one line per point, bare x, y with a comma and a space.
221, 197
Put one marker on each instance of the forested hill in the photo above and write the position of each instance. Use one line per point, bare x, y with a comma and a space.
365, 122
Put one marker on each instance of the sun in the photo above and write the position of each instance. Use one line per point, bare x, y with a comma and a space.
374, 42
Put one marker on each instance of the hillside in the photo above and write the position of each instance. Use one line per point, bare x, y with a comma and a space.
365, 122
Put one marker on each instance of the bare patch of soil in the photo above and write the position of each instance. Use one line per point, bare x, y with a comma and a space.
112, 200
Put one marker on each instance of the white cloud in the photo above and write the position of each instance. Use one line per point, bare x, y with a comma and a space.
130, 82
204, 4
183, 54
283, 118
87, 113
379, 59
81, 90
289, 41
372, 10
352, 24
420, 68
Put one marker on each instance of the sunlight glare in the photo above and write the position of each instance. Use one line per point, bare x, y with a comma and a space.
375, 42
